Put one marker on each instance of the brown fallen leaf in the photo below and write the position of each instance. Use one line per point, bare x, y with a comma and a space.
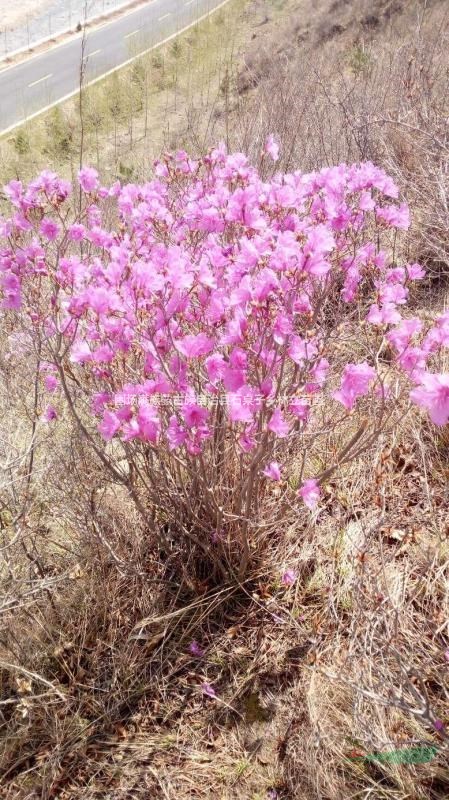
120, 731
23, 685
76, 572
155, 641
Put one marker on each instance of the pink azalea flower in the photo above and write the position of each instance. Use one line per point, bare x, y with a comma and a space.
103, 354
386, 315
12, 300
77, 232
49, 228
415, 272
51, 383
238, 358
301, 350
125, 413
319, 371
194, 415
354, 383
239, 408
433, 395
247, 439
130, 430
99, 400
395, 216
14, 190
273, 471
266, 284
394, 293
80, 353
88, 179
366, 201
395, 275
215, 366
310, 493
196, 650
300, 408
282, 328
50, 414
180, 295
195, 346
439, 335
149, 423
176, 434
208, 690
99, 299
302, 304
413, 362
272, 147
319, 240
22, 223
109, 425
278, 425
98, 236
233, 379
10, 283
400, 336
289, 577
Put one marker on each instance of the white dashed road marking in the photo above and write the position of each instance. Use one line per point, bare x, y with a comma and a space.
34, 83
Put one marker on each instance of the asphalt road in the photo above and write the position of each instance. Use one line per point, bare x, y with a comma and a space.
44, 80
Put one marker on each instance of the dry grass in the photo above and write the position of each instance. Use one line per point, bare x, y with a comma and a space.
112, 704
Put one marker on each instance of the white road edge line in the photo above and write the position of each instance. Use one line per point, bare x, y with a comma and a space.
164, 16
111, 71
39, 80
73, 38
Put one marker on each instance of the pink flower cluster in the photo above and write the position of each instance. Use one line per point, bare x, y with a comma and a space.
209, 280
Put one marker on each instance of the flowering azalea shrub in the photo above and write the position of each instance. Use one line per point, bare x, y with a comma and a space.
221, 340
